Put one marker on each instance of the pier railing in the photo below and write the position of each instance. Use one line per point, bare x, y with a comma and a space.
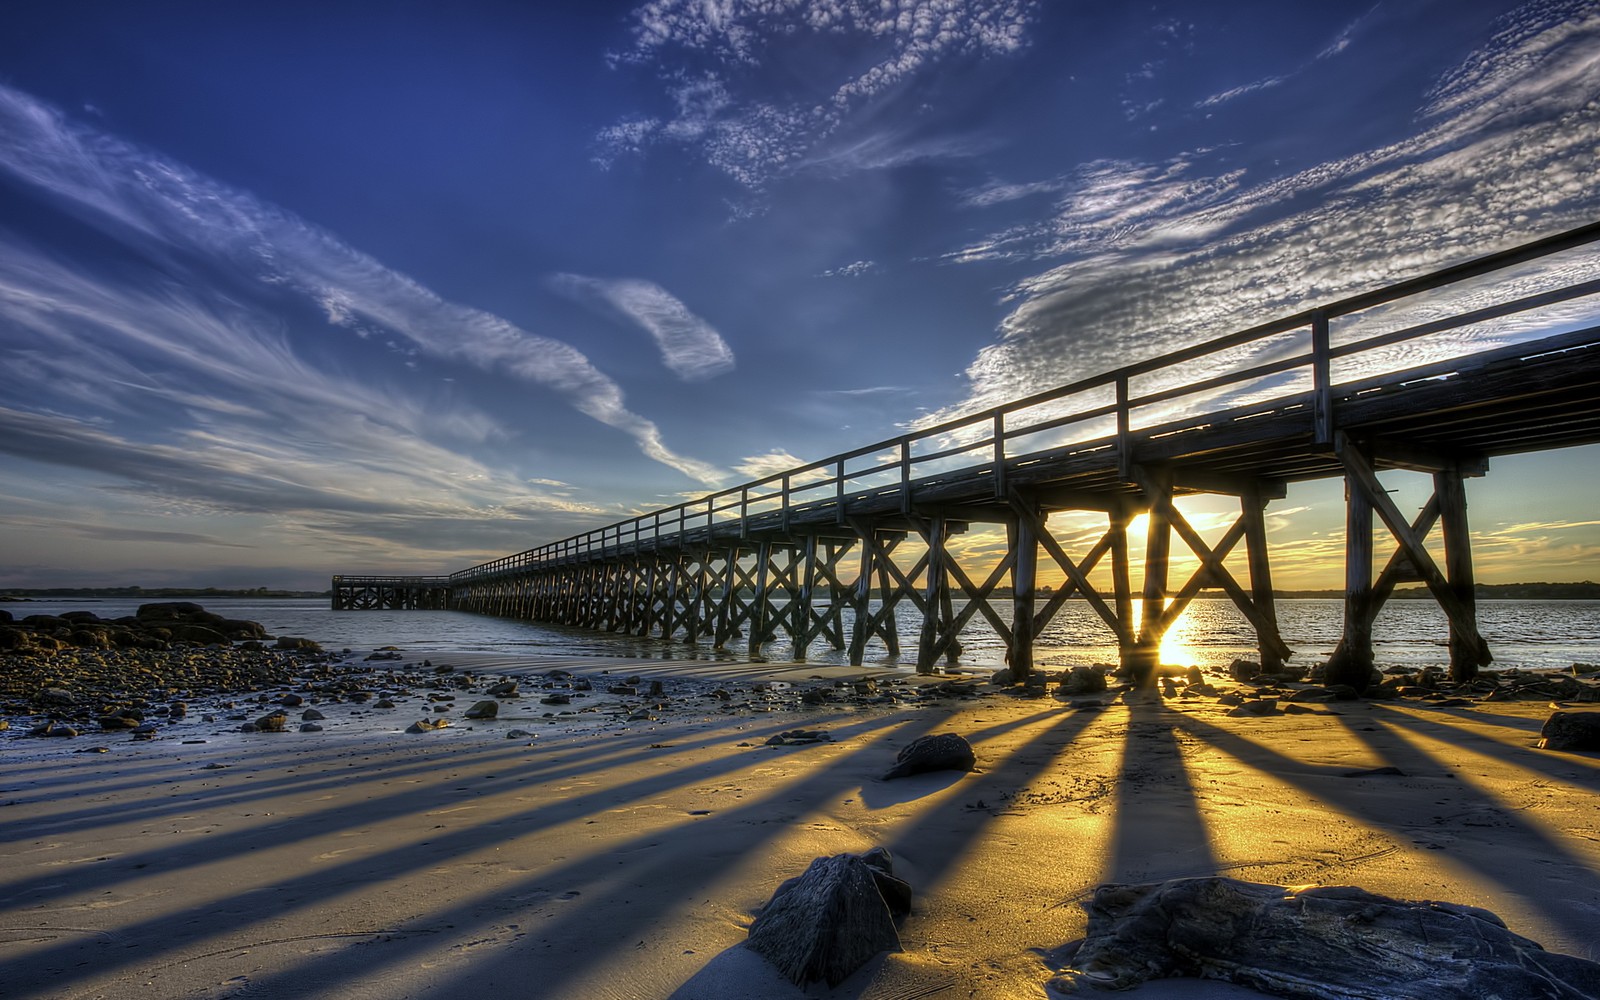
1311, 355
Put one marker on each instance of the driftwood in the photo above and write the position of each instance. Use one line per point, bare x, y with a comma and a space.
1323, 943
943, 752
826, 923
1571, 731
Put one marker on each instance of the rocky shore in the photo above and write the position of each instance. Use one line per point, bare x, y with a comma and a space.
78, 668
75, 673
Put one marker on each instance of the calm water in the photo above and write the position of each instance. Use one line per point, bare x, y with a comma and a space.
1528, 634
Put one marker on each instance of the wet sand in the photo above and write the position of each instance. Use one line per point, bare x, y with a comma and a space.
609, 858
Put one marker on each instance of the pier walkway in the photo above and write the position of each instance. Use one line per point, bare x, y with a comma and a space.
1436, 375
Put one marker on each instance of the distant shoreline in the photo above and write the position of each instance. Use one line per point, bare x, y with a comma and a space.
1583, 591
152, 593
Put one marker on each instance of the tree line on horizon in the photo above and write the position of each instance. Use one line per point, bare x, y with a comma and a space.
23, 593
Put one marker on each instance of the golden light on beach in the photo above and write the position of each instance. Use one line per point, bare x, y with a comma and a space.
1177, 644
455, 861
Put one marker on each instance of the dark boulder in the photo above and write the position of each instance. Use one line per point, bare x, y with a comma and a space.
1244, 670
239, 628
202, 634
828, 922
1571, 731
1320, 943
940, 752
1082, 680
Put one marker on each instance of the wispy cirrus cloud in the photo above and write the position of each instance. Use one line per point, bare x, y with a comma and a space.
704, 54
1108, 204
1340, 43
1152, 257
230, 418
134, 194
689, 346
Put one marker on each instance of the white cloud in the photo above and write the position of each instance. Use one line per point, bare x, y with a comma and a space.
754, 140
1340, 43
854, 269
689, 346
871, 390
1108, 205
1152, 257
148, 197
773, 463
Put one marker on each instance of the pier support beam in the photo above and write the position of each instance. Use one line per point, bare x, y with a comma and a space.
1365, 496
861, 597
1467, 649
1163, 606
1254, 514
934, 597
1144, 657
1024, 575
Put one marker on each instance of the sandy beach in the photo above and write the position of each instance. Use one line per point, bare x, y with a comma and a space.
622, 850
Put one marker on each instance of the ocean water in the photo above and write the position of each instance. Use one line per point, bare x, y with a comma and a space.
1538, 635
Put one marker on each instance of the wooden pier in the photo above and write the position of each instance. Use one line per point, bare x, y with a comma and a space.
390, 593
1436, 375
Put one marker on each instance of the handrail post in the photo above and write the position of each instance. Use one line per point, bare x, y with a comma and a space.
838, 492
1321, 378
783, 517
905, 475
1124, 432
999, 445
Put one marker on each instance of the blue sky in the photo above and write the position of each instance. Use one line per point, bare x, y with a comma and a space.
291, 289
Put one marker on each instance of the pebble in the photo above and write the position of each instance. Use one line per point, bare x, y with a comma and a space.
1259, 706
